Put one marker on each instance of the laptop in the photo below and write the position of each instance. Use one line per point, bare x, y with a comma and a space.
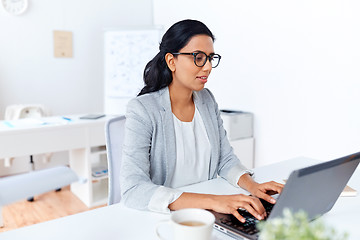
313, 189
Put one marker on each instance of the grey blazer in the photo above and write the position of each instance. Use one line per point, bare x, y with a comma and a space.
149, 152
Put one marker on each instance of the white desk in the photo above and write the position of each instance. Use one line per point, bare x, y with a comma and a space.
83, 139
119, 222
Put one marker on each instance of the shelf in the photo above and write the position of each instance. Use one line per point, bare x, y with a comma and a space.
98, 159
95, 191
95, 179
98, 149
99, 192
99, 153
98, 185
100, 202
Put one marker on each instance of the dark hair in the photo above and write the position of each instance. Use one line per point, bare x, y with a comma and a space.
157, 75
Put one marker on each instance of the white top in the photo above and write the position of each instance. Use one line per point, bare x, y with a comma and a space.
192, 152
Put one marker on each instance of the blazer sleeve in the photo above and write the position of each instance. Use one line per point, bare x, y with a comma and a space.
230, 167
137, 189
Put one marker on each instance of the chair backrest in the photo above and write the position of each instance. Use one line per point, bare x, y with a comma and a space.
114, 132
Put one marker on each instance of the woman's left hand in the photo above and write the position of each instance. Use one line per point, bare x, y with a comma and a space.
265, 190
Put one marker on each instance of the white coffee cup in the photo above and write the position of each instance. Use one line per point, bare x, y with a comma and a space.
190, 224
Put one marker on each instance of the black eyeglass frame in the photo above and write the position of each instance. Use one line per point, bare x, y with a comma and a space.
206, 59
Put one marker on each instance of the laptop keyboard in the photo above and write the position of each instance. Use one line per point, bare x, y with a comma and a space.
249, 227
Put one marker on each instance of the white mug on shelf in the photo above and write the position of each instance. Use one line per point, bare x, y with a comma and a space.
189, 224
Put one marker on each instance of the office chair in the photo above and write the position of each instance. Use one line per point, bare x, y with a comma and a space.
18, 187
114, 132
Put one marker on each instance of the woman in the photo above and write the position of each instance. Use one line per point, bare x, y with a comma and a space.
174, 134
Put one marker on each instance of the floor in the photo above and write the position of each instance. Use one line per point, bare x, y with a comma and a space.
46, 207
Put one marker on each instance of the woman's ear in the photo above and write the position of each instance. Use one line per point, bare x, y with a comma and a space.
170, 61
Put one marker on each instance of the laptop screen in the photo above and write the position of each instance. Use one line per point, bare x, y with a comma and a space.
313, 189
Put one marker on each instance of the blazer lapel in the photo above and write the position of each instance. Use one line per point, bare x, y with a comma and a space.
168, 133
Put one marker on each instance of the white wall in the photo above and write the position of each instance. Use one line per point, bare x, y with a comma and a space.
294, 64
29, 73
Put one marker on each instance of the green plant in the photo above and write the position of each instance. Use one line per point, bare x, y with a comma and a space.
295, 226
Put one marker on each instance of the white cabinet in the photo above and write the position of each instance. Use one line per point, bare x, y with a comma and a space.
239, 129
90, 189
244, 150
99, 183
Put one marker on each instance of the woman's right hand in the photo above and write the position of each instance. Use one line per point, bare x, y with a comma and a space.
229, 204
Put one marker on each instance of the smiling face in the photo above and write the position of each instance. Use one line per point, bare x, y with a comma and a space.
186, 75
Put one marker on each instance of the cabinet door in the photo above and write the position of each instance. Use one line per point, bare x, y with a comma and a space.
244, 150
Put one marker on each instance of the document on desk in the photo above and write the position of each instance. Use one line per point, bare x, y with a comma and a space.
23, 123
348, 192
34, 122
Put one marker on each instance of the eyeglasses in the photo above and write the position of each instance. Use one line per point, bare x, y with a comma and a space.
200, 58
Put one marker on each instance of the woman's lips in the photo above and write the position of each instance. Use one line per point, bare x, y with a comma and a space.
203, 79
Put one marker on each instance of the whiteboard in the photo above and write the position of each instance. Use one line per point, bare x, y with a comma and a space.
126, 54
